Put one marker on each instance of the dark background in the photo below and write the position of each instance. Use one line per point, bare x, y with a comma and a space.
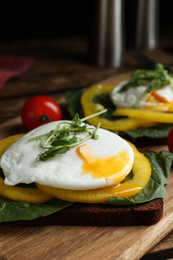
43, 19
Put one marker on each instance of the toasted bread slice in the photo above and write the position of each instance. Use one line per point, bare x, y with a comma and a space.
82, 214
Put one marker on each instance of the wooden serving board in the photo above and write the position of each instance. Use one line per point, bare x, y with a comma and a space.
67, 242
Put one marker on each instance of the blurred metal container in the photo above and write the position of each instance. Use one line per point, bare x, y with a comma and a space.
147, 24
107, 43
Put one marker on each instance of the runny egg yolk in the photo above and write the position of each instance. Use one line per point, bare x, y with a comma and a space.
160, 102
114, 168
158, 97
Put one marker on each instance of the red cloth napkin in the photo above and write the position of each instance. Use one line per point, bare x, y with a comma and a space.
11, 66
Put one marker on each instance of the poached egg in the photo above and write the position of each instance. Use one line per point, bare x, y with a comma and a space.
93, 164
157, 100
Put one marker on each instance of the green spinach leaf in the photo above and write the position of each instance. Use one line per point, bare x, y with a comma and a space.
73, 102
12, 211
159, 131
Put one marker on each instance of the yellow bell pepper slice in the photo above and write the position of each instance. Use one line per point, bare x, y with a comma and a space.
141, 174
90, 108
160, 117
30, 195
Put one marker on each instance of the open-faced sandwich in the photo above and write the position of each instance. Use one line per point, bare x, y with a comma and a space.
139, 107
72, 173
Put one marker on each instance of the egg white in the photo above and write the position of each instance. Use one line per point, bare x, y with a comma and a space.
127, 98
19, 162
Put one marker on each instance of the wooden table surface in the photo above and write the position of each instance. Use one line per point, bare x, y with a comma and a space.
62, 64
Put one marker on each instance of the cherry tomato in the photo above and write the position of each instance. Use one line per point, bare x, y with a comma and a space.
40, 110
170, 140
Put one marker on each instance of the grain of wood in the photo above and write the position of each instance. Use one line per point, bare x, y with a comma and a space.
67, 242
59, 65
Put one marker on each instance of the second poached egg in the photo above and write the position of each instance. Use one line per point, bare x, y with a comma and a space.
158, 100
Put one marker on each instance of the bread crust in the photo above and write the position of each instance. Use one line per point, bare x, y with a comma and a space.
82, 214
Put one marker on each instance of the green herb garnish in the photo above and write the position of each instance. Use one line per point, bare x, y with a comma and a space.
154, 79
60, 140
